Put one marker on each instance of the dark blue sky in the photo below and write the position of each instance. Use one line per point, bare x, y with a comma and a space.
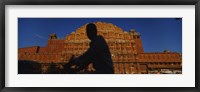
158, 34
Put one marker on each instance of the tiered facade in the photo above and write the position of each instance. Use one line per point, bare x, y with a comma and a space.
126, 50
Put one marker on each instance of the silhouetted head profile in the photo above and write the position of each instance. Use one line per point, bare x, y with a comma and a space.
91, 31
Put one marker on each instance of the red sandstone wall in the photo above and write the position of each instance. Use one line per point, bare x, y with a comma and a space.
159, 57
32, 49
139, 46
50, 53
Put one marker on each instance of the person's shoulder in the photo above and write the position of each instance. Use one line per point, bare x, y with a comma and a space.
100, 37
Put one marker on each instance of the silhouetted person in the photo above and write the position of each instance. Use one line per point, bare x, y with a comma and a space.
98, 53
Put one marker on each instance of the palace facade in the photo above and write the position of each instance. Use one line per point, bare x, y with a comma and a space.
126, 50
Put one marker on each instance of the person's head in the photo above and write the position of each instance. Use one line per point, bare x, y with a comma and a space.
91, 31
